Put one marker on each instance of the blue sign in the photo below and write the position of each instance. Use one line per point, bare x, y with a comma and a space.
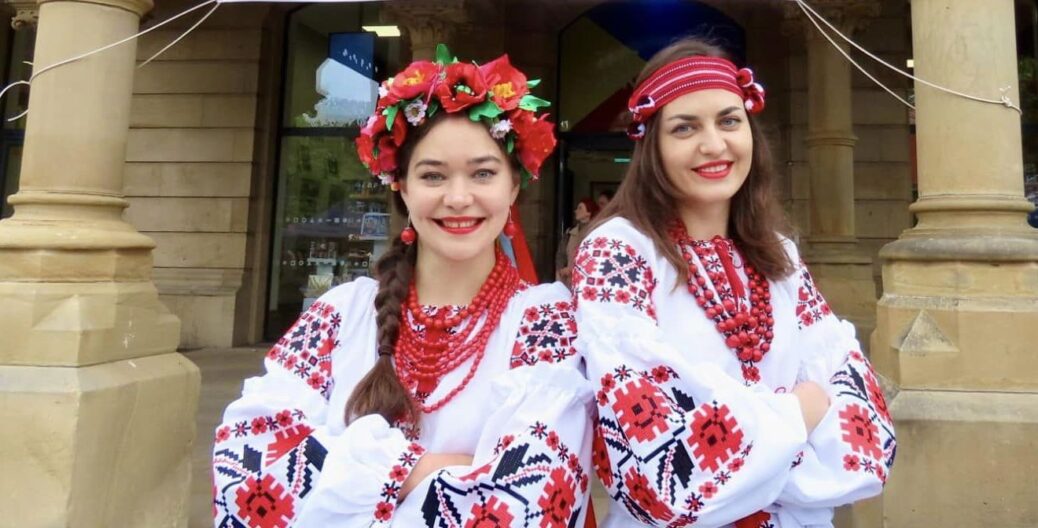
355, 51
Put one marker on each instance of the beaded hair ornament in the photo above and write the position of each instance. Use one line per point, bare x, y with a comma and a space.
495, 93
688, 75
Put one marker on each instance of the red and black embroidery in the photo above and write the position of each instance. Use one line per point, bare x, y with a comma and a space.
536, 480
391, 488
865, 424
306, 349
610, 270
695, 448
811, 306
546, 334
262, 481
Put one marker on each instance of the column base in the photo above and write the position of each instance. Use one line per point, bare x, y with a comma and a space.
964, 459
83, 323
104, 445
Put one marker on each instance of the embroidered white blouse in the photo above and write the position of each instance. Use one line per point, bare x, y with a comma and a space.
687, 434
283, 455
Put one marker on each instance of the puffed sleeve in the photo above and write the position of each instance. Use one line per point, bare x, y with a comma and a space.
283, 456
851, 451
677, 441
530, 464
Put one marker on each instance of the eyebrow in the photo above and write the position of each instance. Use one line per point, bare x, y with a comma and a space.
690, 117
474, 161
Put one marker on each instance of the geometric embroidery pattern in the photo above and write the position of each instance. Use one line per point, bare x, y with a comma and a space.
811, 306
865, 424
610, 270
686, 452
306, 349
546, 334
535, 480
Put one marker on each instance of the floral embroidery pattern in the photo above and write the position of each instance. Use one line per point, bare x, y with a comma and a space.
811, 306
391, 489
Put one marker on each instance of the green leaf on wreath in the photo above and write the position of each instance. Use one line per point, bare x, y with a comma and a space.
530, 102
488, 109
391, 113
532, 83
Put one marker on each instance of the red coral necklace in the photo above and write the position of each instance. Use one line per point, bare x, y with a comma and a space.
743, 318
423, 357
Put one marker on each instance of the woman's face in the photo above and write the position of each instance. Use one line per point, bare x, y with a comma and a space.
458, 190
706, 146
581, 213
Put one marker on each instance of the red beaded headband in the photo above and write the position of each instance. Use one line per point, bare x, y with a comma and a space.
689, 75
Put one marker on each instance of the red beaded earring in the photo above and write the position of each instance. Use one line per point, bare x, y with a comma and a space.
511, 229
408, 235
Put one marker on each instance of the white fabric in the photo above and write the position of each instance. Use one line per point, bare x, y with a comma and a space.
337, 475
635, 318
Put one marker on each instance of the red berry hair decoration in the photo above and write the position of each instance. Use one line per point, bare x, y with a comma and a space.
495, 93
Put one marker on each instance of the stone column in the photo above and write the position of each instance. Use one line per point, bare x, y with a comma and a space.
96, 407
957, 326
844, 272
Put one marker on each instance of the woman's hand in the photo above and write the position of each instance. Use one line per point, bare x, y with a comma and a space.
431, 463
814, 403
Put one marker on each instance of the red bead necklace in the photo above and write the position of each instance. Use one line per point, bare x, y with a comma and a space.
423, 358
746, 324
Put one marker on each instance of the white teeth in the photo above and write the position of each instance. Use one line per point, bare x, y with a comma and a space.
715, 168
459, 225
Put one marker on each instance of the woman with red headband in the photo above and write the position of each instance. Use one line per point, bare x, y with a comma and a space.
447, 392
729, 394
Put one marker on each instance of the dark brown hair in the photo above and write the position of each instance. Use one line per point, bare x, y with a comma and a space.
380, 391
648, 199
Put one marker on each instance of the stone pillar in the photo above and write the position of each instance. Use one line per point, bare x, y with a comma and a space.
96, 408
843, 271
957, 326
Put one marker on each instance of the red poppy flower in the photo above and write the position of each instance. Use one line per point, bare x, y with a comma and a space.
462, 87
416, 80
535, 139
507, 85
374, 134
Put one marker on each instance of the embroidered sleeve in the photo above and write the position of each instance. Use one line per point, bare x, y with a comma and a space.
609, 270
811, 306
850, 453
280, 455
676, 442
546, 334
530, 463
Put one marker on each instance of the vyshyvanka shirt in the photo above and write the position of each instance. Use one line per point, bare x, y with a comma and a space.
689, 434
284, 456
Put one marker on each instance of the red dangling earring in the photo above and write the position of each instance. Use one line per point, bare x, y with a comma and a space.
408, 235
510, 228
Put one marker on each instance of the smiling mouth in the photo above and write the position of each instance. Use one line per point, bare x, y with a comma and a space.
714, 171
459, 226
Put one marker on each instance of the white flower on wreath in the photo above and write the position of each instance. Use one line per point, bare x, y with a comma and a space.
386, 178
382, 91
501, 129
415, 112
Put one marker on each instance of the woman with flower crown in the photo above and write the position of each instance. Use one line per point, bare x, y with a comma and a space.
728, 392
447, 392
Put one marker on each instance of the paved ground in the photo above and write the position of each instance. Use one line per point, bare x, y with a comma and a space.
222, 373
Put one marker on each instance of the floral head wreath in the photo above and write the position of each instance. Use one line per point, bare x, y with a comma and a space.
495, 93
